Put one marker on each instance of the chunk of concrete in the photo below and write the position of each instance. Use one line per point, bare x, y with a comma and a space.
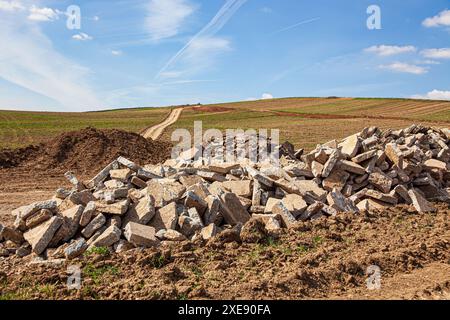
166, 217
94, 225
419, 202
233, 211
110, 236
141, 235
40, 236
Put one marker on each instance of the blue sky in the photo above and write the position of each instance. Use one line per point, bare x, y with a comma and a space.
168, 52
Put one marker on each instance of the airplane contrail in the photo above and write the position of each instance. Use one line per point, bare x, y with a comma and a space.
295, 25
220, 19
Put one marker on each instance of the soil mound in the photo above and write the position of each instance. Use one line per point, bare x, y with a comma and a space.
86, 151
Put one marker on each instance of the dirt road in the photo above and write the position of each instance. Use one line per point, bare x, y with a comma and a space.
155, 131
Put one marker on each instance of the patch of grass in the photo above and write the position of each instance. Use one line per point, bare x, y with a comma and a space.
88, 291
317, 241
158, 261
302, 248
97, 273
103, 251
197, 271
48, 290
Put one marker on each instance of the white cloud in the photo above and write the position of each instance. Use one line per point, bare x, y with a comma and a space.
43, 14
442, 19
11, 6
264, 96
82, 37
96, 18
166, 17
116, 52
385, 50
30, 61
443, 53
266, 10
405, 68
430, 62
434, 95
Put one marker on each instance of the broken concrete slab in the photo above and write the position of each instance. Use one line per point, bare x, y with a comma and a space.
233, 211
419, 202
39, 237
141, 235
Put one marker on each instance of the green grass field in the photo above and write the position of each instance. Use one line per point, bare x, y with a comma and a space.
23, 128
303, 121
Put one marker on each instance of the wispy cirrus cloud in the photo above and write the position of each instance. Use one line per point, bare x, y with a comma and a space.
165, 18
440, 20
442, 53
11, 6
201, 49
405, 68
82, 37
387, 50
29, 60
43, 14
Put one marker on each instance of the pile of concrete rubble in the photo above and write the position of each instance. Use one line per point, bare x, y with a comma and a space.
126, 206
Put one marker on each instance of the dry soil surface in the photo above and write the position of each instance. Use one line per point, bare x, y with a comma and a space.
324, 259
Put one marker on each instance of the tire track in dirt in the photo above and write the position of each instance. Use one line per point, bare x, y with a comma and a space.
154, 132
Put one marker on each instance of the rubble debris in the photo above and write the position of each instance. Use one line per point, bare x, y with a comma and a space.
175, 201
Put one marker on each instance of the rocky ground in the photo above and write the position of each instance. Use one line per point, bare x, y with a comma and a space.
322, 259
367, 212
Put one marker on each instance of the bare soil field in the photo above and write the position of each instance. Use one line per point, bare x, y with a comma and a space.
323, 259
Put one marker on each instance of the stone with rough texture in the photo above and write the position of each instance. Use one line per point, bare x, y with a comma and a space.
166, 217
94, 225
374, 194
336, 179
209, 231
286, 216
350, 146
38, 218
295, 204
381, 181
330, 164
142, 212
188, 226
119, 208
419, 202
394, 154
141, 235
173, 235
88, 213
110, 236
120, 174
165, 191
233, 211
241, 188
194, 201
40, 236
75, 249
10, 234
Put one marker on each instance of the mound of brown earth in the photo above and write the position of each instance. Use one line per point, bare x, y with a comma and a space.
86, 151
